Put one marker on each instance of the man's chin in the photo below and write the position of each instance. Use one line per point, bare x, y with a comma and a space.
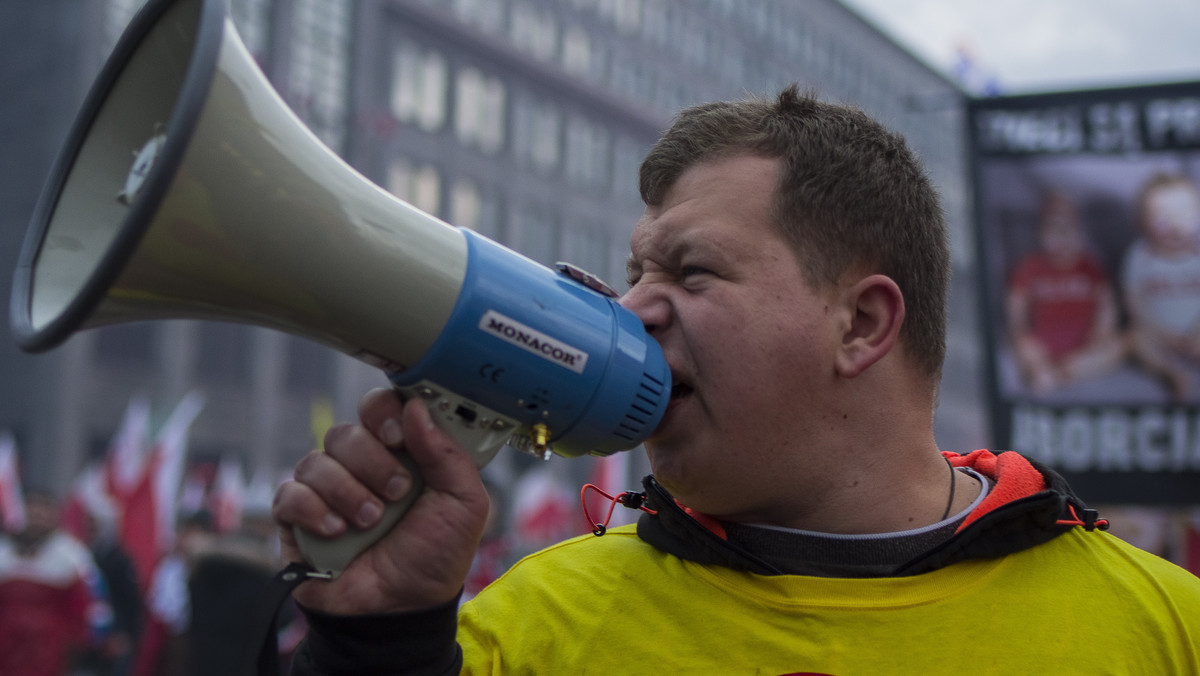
668, 464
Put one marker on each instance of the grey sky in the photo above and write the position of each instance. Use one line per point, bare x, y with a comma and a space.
1041, 45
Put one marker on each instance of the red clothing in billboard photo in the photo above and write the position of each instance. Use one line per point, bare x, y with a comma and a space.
1062, 301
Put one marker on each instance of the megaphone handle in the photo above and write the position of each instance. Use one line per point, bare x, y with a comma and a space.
479, 430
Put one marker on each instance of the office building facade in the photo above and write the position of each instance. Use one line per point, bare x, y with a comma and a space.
524, 120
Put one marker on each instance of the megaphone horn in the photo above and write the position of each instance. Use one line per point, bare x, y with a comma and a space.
195, 192
188, 189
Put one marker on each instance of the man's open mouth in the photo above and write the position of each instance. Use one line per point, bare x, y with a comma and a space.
679, 391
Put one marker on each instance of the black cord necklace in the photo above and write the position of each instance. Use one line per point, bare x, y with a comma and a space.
953, 483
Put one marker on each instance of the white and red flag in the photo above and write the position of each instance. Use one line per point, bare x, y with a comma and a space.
89, 502
148, 519
228, 496
108, 485
126, 458
545, 508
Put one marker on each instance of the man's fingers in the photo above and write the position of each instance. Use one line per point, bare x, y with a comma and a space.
336, 486
296, 504
408, 425
369, 460
380, 411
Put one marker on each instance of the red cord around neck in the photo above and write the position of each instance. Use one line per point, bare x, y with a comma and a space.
627, 499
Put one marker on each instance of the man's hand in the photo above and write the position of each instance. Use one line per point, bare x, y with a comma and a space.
423, 561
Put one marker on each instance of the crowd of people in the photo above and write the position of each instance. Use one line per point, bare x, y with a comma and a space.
75, 603
53, 610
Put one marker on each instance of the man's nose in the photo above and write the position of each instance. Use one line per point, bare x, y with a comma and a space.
649, 305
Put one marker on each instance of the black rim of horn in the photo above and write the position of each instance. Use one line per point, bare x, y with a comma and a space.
184, 116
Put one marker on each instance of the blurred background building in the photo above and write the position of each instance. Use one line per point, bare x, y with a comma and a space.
522, 119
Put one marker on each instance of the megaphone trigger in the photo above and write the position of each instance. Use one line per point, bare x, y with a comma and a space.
481, 431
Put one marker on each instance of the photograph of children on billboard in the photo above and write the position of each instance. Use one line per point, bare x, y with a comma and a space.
1088, 219
1100, 263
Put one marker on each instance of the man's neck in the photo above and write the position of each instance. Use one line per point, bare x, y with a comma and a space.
798, 552
870, 490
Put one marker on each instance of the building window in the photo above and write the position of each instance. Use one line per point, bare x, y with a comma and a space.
479, 110
586, 152
420, 186
252, 18
475, 208
625, 15
487, 15
537, 127
320, 69
626, 75
655, 22
466, 205
577, 52
533, 232
533, 31
419, 87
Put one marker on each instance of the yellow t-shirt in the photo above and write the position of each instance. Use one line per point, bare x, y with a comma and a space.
1083, 603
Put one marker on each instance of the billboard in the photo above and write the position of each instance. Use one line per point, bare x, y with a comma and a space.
1088, 229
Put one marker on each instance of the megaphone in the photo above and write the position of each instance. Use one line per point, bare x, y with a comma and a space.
188, 189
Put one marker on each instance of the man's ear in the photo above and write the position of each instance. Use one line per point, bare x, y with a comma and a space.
877, 308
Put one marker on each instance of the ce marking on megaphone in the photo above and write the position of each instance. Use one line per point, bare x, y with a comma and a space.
491, 372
